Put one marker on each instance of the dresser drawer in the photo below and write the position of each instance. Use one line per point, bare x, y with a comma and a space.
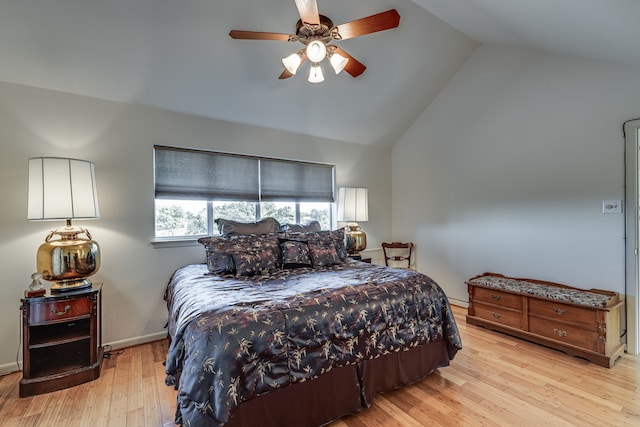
498, 315
587, 317
500, 298
563, 332
54, 311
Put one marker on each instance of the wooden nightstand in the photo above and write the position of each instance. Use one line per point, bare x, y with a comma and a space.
61, 340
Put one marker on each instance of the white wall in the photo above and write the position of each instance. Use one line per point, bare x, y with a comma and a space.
507, 168
119, 138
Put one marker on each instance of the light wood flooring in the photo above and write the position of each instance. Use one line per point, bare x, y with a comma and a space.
494, 380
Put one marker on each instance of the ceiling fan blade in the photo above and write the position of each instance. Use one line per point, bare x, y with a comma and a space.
308, 10
257, 35
371, 24
285, 74
353, 67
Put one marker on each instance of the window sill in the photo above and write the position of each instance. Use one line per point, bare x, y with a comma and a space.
175, 243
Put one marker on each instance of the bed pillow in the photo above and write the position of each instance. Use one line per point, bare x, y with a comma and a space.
301, 228
323, 254
295, 254
326, 237
338, 240
220, 263
220, 250
264, 226
255, 262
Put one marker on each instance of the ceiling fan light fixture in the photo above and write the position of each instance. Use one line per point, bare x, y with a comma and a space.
315, 74
338, 62
316, 51
292, 62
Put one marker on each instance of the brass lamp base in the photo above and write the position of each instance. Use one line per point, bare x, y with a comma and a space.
355, 240
69, 260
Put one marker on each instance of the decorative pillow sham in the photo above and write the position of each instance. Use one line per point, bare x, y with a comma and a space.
264, 226
220, 263
295, 254
326, 237
323, 254
251, 263
220, 250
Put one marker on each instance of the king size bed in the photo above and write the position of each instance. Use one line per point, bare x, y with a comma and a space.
284, 329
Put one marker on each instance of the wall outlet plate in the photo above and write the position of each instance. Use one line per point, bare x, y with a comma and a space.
611, 206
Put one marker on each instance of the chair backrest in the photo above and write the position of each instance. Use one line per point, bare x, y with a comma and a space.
398, 252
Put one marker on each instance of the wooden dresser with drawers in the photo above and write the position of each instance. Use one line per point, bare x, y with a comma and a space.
583, 323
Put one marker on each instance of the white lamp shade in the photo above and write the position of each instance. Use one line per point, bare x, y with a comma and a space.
353, 204
292, 62
61, 188
338, 62
315, 74
316, 51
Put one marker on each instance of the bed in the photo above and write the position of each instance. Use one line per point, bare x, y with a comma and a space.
284, 329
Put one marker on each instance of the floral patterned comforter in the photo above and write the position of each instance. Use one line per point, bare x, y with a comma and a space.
235, 338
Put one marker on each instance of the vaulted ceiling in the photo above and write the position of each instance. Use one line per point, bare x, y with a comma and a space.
177, 55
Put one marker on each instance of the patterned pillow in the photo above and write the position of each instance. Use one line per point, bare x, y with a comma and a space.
220, 250
250, 263
220, 263
295, 254
323, 254
326, 237
338, 241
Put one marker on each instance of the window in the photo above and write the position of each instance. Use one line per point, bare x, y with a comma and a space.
194, 187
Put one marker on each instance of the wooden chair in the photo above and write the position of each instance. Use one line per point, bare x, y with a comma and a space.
397, 252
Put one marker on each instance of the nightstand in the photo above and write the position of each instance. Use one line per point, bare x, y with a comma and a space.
62, 340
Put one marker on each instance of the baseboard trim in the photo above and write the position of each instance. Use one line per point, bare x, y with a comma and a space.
459, 303
116, 345
10, 368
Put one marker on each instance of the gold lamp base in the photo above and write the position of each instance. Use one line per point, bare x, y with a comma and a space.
355, 240
69, 260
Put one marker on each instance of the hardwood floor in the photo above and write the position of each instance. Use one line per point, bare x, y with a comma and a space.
494, 380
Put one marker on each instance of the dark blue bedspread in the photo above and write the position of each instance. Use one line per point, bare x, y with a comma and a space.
235, 338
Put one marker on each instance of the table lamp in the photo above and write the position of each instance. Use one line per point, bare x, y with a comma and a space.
64, 189
353, 206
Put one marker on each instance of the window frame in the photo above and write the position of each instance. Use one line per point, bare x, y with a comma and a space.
308, 169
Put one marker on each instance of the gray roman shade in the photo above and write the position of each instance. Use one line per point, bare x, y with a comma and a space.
195, 174
284, 180
192, 174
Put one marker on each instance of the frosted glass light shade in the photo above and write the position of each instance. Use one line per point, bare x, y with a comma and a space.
316, 51
61, 188
338, 62
353, 204
315, 74
292, 62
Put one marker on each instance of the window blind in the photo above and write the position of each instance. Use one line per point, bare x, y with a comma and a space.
284, 180
194, 174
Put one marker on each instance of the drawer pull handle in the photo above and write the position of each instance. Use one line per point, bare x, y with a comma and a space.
560, 311
496, 315
560, 332
61, 313
496, 297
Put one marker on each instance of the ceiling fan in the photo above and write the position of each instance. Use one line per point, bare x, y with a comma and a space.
316, 31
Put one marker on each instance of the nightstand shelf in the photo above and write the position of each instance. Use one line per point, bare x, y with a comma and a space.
61, 340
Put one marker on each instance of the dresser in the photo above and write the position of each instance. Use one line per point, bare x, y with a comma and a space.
61, 340
582, 323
